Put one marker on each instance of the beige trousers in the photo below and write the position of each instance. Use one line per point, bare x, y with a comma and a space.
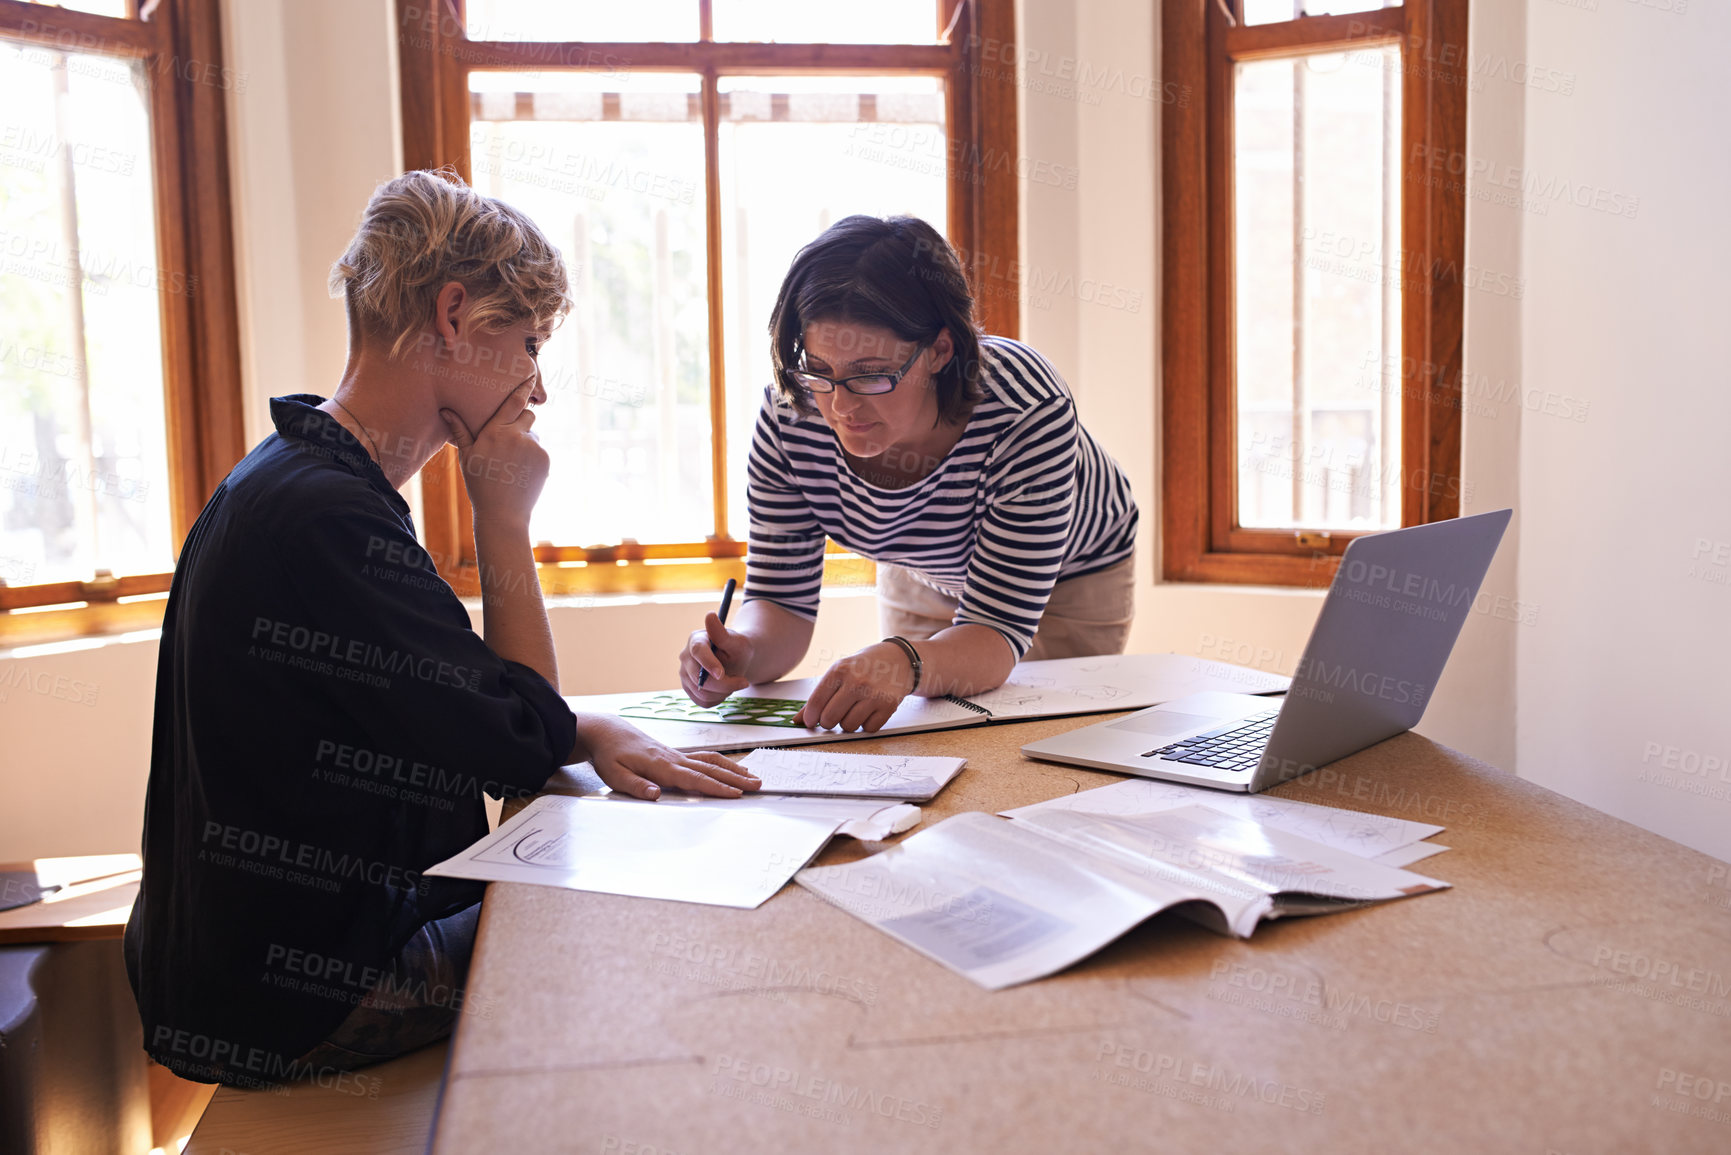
1085, 615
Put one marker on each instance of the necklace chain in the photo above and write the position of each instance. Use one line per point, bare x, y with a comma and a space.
377, 456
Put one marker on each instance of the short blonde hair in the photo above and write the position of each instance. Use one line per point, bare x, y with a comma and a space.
425, 229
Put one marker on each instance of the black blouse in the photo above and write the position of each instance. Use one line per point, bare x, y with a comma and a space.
326, 723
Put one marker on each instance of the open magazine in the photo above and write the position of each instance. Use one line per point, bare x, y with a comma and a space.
1003, 902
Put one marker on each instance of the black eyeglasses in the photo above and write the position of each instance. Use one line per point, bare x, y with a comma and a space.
862, 385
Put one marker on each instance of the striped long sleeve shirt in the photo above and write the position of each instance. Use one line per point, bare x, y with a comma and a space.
1026, 498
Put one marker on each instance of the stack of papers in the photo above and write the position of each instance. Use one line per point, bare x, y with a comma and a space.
1005, 902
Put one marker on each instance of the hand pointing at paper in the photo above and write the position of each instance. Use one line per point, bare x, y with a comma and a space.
861, 691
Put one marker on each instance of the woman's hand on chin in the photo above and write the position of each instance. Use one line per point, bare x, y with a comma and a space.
861, 691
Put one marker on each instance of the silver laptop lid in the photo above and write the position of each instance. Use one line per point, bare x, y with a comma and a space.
1387, 627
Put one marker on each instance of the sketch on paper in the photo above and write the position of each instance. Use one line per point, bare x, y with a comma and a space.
797, 771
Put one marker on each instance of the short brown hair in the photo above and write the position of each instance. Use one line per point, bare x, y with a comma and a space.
425, 229
897, 272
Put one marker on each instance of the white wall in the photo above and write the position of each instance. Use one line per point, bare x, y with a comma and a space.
1474, 706
1593, 552
312, 134
72, 774
1626, 534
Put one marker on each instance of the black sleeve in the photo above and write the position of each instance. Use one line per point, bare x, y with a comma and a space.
374, 616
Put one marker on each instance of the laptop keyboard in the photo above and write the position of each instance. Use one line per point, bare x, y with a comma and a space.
1235, 746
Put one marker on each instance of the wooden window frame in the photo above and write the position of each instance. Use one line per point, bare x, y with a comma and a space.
983, 206
1201, 541
180, 46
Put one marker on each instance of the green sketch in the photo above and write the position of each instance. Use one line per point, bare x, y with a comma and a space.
676, 707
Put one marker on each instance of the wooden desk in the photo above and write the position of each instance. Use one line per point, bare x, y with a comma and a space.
94, 900
1516, 1012
386, 1109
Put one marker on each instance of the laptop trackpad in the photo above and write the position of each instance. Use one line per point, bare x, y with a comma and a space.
1164, 722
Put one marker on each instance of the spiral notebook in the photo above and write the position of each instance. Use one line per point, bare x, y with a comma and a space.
760, 716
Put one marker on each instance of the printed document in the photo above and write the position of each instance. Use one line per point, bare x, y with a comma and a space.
1003, 902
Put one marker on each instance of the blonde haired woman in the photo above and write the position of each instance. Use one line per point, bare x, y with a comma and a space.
326, 719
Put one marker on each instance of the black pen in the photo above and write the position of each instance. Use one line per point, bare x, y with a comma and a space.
726, 601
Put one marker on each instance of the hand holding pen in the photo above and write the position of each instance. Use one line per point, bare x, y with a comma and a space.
715, 658
720, 621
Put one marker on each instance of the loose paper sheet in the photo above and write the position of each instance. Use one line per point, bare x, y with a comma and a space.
906, 776
1366, 835
1407, 855
723, 852
1091, 685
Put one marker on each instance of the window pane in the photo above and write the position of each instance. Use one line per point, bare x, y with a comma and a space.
1345, 7
590, 20
1269, 11
115, 8
803, 22
1317, 283
797, 155
1274, 11
83, 445
612, 170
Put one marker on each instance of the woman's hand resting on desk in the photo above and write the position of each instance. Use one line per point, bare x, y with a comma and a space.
860, 692
633, 763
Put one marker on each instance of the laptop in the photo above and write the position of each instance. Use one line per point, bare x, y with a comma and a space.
1387, 627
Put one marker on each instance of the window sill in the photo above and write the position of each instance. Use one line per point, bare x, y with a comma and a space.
1245, 588
567, 603
562, 579
563, 587
94, 620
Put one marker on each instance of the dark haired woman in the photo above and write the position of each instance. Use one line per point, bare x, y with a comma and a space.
954, 460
